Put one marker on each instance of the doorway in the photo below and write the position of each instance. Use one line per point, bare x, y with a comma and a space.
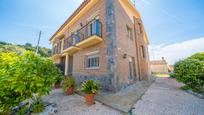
70, 65
132, 68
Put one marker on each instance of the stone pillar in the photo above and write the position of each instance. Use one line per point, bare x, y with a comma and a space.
111, 42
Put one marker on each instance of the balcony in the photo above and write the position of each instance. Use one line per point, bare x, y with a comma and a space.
89, 35
56, 51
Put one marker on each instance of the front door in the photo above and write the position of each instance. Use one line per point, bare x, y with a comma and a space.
70, 65
132, 69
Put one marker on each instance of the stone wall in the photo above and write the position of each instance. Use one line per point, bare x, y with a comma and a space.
105, 81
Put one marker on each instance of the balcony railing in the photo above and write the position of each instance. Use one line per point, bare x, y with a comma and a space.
94, 28
56, 49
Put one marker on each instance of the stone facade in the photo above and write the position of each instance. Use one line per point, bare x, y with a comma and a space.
123, 53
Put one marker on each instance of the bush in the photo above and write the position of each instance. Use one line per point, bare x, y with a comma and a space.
37, 105
58, 79
198, 56
70, 82
90, 87
172, 75
190, 71
21, 76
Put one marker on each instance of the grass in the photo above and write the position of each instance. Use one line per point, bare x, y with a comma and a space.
161, 75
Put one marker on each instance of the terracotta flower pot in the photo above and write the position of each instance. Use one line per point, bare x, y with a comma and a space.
57, 85
70, 90
89, 99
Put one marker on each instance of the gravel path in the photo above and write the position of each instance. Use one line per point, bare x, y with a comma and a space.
74, 105
165, 98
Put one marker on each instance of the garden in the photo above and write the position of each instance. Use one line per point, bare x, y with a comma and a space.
25, 78
190, 71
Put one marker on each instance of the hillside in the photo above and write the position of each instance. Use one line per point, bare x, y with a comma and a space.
8, 47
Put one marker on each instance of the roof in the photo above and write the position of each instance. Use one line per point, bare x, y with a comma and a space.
158, 62
76, 12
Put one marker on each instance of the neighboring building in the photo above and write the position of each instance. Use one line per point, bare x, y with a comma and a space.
159, 66
103, 40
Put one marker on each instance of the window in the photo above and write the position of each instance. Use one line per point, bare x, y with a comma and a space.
129, 32
139, 28
92, 61
142, 50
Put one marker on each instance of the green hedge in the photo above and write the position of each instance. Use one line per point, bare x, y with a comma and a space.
190, 71
21, 76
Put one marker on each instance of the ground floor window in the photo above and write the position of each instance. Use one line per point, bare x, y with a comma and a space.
92, 61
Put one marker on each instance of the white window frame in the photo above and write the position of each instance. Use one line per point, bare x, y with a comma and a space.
94, 54
129, 32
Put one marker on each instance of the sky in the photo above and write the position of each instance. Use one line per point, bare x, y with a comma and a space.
175, 28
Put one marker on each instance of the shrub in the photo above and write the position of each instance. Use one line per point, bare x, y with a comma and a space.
70, 82
21, 76
58, 79
198, 56
37, 105
190, 71
172, 75
90, 87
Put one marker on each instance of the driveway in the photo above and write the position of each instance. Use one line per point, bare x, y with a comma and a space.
165, 98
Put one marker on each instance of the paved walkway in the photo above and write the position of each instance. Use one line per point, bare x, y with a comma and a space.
162, 98
165, 98
75, 105
124, 100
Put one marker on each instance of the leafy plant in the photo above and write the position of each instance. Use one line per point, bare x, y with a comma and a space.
23, 111
172, 75
198, 56
37, 105
191, 72
21, 76
58, 79
70, 82
90, 87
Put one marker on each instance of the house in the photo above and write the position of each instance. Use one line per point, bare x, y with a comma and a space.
159, 66
103, 40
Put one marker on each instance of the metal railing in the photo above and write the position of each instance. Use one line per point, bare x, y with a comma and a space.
57, 49
90, 29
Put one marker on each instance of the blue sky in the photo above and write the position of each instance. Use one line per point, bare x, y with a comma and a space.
167, 22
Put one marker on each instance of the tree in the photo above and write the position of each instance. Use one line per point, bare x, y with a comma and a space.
8, 47
21, 76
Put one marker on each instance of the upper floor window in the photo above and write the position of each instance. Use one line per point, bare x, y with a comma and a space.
129, 32
92, 61
142, 50
140, 30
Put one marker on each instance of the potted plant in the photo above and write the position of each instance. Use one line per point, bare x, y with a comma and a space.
90, 88
68, 86
58, 82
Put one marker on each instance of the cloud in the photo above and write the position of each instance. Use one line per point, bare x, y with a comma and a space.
176, 51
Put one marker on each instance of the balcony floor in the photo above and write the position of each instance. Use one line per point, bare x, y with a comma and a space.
71, 50
93, 40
